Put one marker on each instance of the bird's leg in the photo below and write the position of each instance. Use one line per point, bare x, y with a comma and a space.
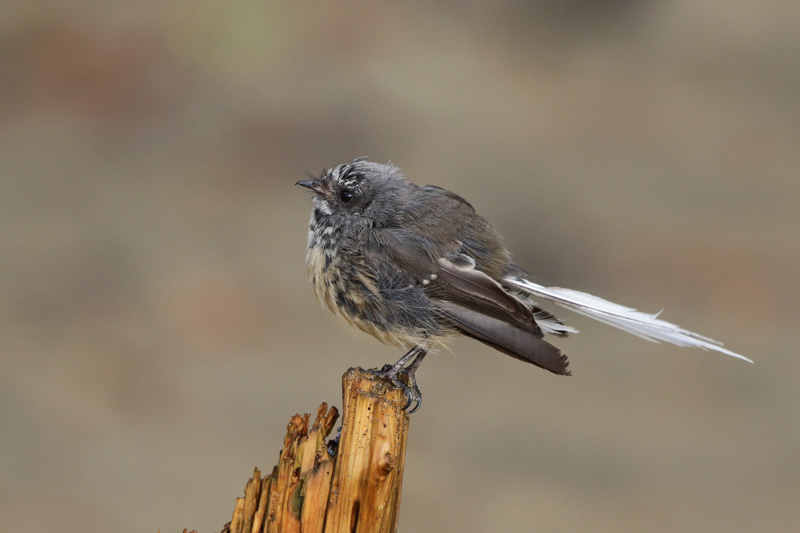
394, 372
409, 371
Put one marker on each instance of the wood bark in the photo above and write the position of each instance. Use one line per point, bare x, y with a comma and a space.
325, 486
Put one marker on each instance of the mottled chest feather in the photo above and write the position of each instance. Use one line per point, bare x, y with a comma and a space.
323, 264
376, 296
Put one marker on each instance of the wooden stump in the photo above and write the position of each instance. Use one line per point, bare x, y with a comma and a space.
316, 489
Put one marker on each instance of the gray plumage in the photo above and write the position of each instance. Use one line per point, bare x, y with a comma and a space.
415, 265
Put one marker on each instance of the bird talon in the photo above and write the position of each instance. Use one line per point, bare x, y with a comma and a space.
409, 399
416, 407
403, 378
410, 391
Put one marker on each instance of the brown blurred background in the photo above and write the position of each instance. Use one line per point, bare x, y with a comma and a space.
157, 329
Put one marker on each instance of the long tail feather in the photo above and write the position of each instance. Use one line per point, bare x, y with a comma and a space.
644, 325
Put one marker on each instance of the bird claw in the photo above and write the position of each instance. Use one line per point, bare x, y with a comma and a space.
407, 383
404, 379
411, 392
416, 394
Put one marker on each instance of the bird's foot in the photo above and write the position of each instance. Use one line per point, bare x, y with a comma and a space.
403, 377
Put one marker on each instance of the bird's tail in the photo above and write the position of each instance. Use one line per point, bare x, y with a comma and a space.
644, 325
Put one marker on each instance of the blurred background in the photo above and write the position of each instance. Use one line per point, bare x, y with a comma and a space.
157, 330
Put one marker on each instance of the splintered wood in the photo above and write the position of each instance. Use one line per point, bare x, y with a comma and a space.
357, 489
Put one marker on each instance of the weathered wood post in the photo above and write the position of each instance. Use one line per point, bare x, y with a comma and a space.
316, 488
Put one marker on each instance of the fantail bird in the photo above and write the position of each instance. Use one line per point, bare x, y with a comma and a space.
416, 265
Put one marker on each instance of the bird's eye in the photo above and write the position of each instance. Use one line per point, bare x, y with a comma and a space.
346, 195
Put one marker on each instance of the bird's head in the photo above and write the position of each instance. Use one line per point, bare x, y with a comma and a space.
360, 191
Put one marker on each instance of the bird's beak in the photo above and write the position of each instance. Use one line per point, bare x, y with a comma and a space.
314, 185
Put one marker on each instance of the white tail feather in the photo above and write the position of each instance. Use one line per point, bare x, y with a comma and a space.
644, 325
554, 327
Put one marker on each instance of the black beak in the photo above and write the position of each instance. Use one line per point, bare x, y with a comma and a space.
314, 185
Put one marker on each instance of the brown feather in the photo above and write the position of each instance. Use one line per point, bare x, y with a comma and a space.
506, 338
461, 282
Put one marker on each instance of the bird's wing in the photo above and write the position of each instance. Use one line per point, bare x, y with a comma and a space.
469, 299
479, 307
644, 325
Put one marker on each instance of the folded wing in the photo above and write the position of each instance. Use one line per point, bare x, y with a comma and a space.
479, 307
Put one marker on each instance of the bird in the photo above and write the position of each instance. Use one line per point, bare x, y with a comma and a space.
416, 266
